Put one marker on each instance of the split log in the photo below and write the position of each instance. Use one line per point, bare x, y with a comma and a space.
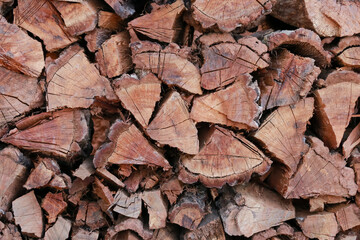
347, 51
64, 133
123, 8
224, 158
133, 148
328, 18
97, 37
109, 177
104, 193
224, 63
332, 115
167, 233
109, 20
227, 16
128, 88
157, 208
60, 182
41, 18
9, 231
348, 217
78, 189
163, 23
129, 206
132, 183
28, 215
135, 225
170, 65
172, 188
234, 106
13, 174
114, 56
172, 125
101, 130
352, 141
86, 169
247, 210
302, 42
127, 235
14, 52
82, 234
317, 204
72, 81
54, 205
90, 213
272, 233
151, 180
60, 230
288, 79
39, 176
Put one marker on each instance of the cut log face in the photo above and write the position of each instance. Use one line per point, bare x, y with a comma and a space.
288, 79
59, 231
72, 81
347, 51
123, 8
14, 51
132, 224
332, 115
64, 133
169, 65
225, 62
172, 125
19, 94
234, 106
109, 20
13, 174
39, 177
247, 212
97, 37
129, 206
317, 204
328, 18
103, 192
348, 217
28, 215
128, 146
41, 18
53, 204
352, 141
82, 234
227, 16
302, 42
157, 208
224, 158
129, 89
282, 132
172, 188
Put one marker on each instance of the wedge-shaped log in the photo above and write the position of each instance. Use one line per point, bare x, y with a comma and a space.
157, 208
352, 141
60, 230
123, 8
110, 20
97, 37
348, 216
127, 205
322, 226
53, 204
347, 51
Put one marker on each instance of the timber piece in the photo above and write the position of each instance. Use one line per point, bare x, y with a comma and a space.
170, 64
234, 106
317, 203
332, 115
328, 18
5, 6
348, 216
224, 158
109, 177
97, 37
83, 234
9, 231
60, 182
167, 233
352, 141
123, 8
172, 125
53, 204
272, 233
288, 79
60, 230
190, 209
224, 63
28, 215
114, 56
128, 146
163, 23
14, 170
212, 38
347, 51
157, 208
302, 42
252, 208
103, 192
39, 177
318, 166
127, 235
227, 15
151, 180
356, 167
72, 81
101, 130
41, 18
128, 88
109, 20
127, 205
90, 214
282, 132
78, 189
86, 169
132, 183
132, 224
15, 51
172, 188
322, 226
64, 133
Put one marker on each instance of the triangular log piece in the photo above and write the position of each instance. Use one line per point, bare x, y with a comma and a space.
127, 205
352, 141
157, 208
40, 176
302, 42
327, 17
97, 37
60, 230
322, 226
139, 96
14, 51
78, 189
332, 115
132, 224
234, 106
167, 233
41, 18
172, 125
170, 65
163, 23
72, 81
225, 62
172, 188
347, 51
288, 79
348, 216
53, 204
109, 177
317, 204
86, 169
64, 133
226, 15
110, 20
104, 193
123, 8
247, 210
282, 132
224, 158
83, 234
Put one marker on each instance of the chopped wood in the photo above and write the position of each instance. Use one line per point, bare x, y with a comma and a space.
282, 230
234, 106
172, 188
86, 169
132, 183
53, 204
317, 203
39, 177
109, 20
135, 225
157, 208
59, 231
128, 88
82, 234
348, 217
97, 37
129, 206
60, 182
103, 192
127, 235
28, 215
224, 158
352, 141
167, 233
90, 213
150, 181
247, 210
123, 8
14, 52
9, 231
101, 130
347, 51
172, 125
109, 177
78, 189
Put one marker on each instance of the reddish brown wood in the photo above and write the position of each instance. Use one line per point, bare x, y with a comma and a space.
348, 217
78, 189
90, 214
352, 141
167, 233
317, 203
82, 234
109, 20
103, 192
86, 169
135, 225
39, 177
60, 230
172, 188
157, 208
123, 8
97, 37
53, 204
109, 177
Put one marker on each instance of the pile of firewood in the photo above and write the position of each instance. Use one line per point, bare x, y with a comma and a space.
179, 119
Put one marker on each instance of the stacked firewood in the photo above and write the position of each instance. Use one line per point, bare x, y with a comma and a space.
172, 119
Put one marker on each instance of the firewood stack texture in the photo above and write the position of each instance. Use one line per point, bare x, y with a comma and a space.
180, 119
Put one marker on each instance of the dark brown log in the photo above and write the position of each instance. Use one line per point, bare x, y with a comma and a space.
123, 8
60, 230
97, 37
348, 217
53, 204
157, 208
109, 20
167, 233
82, 234
129, 206
135, 225
127, 235
172, 188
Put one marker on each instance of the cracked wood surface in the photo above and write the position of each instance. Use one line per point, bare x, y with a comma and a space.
54, 205
135, 225
123, 8
157, 208
347, 51
127, 205
60, 230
